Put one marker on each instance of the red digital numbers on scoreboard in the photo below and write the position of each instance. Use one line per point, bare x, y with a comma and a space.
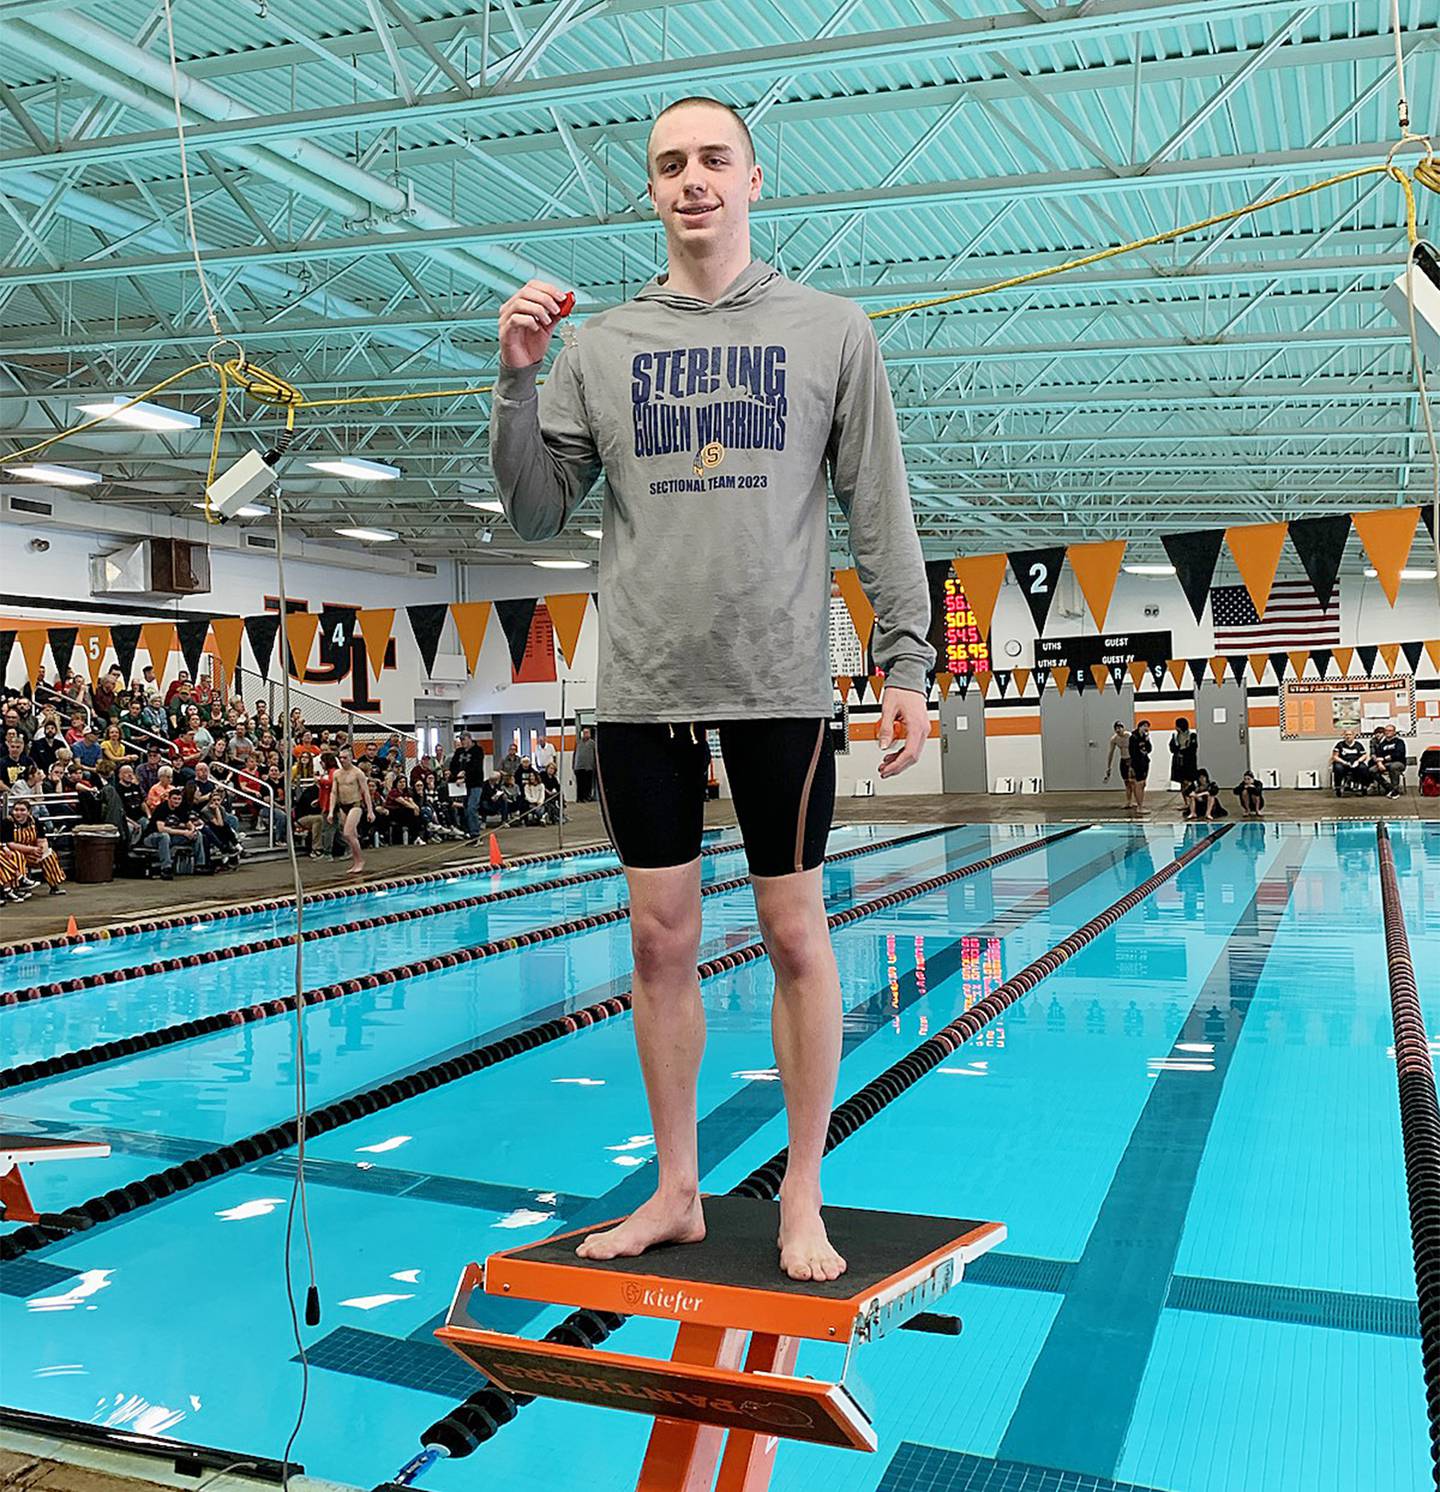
966, 650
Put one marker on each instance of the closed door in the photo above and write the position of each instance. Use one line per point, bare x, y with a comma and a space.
962, 743
1075, 731
1224, 742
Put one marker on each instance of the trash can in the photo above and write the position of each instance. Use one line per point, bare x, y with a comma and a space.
95, 847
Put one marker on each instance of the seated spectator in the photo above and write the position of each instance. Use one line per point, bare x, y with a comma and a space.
26, 719
16, 883
316, 820
103, 695
14, 756
75, 731
180, 684
132, 801
174, 830
29, 784
405, 819
87, 749
1204, 801
153, 716
272, 795
20, 831
305, 751
47, 745
1251, 795
114, 748
148, 771
88, 785
161, 789
202, 786
219, 829
1350, 768
1388, 760
391, 753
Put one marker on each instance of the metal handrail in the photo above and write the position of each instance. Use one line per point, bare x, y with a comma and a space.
71, 705
229, 771
372, 724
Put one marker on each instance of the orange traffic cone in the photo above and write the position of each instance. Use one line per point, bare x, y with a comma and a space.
71, 926
496, 858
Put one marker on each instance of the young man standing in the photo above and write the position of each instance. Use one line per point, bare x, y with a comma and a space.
716, 402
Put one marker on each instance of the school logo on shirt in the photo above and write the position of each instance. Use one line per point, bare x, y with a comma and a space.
704, 402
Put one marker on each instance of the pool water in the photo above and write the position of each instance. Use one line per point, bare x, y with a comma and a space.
1190, 1130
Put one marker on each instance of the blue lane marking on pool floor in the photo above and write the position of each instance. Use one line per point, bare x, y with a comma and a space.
1094, 1357
925, 1468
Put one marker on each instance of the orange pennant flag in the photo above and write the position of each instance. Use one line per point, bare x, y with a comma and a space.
981, 578
1176, 669
471, 618
1217, 669
1060, 677
33, 642
1259, 662
1387, 534
1432, 649
375, 624
877, 684
1389, 651
1101, 675
1256, 550
843, 682
1298, 660
1022, 679
300, 630
158, 639
985, 680
568, 613
857, 603
1097, 567
227, 632
1137, 671
93, 642
1342, 660
943, 679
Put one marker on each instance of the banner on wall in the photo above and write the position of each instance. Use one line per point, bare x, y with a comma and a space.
1323, 709
1083, 653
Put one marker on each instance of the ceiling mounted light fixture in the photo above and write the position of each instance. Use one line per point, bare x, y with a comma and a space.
59, 476
142, 414
373, 535
357, 468
562, 564
1149, 569
485, 504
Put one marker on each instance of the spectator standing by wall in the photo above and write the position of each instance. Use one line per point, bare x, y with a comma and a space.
1119, 746
584, 767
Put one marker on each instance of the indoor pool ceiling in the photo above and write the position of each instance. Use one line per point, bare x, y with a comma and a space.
372, 177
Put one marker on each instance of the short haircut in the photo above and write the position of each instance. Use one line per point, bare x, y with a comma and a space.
713, 103
1139, 723
1181, 723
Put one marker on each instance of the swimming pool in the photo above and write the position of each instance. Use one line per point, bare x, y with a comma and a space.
1190, 1130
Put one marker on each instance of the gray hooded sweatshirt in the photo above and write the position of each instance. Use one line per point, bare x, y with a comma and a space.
715, 424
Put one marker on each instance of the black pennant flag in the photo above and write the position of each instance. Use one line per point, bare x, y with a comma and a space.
1038, 573
1158, 671
337, 630
1080, 679
962, 683
1002, 680
1320, 543
425, 624
1279, 662
1237, 668
1197, 667
1412, 652
1119, 674
1367, 656
1427, 512
7, 645
191, 635
1041, 675
937, 572
62, 646
1321, 657
261, 630
1195, 557
515, 618
125, 638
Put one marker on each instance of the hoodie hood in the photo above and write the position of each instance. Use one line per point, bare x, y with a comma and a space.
745, 289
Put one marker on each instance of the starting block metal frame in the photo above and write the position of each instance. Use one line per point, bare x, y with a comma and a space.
720, 1400
18, 1150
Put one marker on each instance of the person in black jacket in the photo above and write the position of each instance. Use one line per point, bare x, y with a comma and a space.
467, 766
1388, 760
1140, 749
1184, 753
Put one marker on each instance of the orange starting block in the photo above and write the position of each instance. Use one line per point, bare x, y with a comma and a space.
18, 1150
720, 1400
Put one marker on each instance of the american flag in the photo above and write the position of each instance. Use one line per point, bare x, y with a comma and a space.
1294, 618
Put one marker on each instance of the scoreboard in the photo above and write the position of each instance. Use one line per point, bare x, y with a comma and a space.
966, 651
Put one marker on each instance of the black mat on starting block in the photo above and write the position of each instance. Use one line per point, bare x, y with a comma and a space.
739, 1249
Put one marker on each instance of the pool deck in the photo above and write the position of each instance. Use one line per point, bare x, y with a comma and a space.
122, 900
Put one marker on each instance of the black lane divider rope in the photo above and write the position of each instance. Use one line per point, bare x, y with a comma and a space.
53, 1226
1419, 1131
364, 924
312, 898
220, 1020
470, 1424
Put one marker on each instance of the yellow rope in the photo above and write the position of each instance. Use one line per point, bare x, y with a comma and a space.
269, 388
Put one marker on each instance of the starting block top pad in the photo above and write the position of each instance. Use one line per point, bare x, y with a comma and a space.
27, 1148
898, 1263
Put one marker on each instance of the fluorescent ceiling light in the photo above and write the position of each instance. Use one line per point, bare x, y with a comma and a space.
562, 564
593, 533
61, 476
250, 510
357, 469
142, 414
375, 535
1149, 569
1406, 574
485, 504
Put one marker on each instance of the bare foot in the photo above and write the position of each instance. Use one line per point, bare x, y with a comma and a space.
805, 1249
663, 1219
356, 870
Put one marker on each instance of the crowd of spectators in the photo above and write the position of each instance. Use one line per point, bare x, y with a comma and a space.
183, 772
